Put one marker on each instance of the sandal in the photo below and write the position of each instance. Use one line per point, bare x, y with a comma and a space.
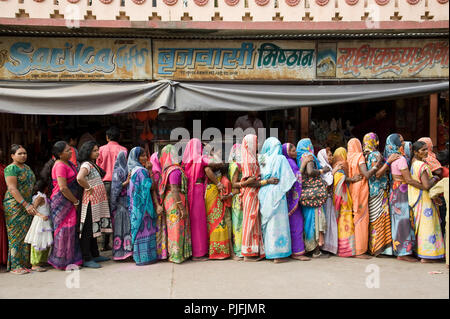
38, 269
321, 255
20, 271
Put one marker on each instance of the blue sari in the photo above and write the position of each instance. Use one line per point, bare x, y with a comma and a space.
272, 198
142, 213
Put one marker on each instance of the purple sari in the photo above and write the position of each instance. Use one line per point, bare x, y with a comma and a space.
294, 208
66, 246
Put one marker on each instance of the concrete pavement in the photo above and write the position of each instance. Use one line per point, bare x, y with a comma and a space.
316, 279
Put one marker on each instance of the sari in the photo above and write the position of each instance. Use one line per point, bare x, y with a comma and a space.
66, 248
380, 237
402, 221
294, 208
343, 205
3, 233
331, 234
142, 213
217, 227
161, 227
359, 192
252, 241
122, 248
408, 152
430, 243
17, 219
179, 247
236, 203
314, 217
272, 199
194, 164
431, 159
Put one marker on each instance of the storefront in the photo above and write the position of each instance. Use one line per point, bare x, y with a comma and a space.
298, 86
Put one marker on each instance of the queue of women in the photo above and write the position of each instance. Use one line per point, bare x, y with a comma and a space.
283, 202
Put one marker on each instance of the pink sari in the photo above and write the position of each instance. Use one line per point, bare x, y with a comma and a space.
161, 227
359, 193
194, 167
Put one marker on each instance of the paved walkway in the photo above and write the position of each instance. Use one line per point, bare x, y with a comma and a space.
319, 279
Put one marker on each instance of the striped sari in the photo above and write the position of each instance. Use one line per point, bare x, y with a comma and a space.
252, 241
17, 219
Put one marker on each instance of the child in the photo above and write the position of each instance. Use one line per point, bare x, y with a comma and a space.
40, 234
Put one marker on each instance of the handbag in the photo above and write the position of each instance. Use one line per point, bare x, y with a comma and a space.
314, 192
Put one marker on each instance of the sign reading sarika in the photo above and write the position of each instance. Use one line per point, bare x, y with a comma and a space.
236, 60
393, 59
75, 59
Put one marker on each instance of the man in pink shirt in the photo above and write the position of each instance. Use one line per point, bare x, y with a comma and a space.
106, 160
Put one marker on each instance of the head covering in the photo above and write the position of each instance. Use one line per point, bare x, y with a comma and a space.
119, 176
408, 152
235, 154
340, 157
170, 162
156, 167
354, 156
250, 165
305, 147
285, 148
271, 148
293, 197
431, 159
322, 156
133, 158
370, 143
393, 145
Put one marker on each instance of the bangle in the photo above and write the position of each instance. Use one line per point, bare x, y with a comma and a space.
77, 203
23, 199
88, 189
388, 164
263, 182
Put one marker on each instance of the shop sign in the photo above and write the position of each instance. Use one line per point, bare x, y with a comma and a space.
75, 59
392, 59
234, 60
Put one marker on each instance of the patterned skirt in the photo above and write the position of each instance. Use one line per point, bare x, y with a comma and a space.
380, 237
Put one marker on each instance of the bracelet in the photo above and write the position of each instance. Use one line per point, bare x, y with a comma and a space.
88, 189
388, 164
23, 199
77, 203
263, 182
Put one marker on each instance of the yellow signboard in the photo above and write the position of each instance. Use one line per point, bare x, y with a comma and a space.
71, 59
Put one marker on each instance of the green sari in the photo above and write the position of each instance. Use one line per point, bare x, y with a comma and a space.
18, 221
236, 211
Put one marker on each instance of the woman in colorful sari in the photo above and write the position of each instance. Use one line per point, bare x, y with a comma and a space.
343, 204
252, 241
294, 209
314, 217
142, 213
430, 243
95, 217
325, 157
122, 248
235, 175
194, 163
64, 202
273, 203
402, 221
19, 210
173, 193
161, 227
431, 160
3, 233
380, 237
219, 242
359, 192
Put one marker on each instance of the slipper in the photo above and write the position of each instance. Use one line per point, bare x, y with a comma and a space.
38, 269
101, 258
20, 271
321, 255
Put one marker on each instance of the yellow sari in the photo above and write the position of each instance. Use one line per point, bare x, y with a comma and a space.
430, 244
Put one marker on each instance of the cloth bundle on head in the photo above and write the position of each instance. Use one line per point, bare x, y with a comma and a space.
305, 147
119, 176
370, 143
322, 156
431, 159
250, 165
133, 159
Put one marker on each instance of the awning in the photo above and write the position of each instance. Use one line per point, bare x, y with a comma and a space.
101, 98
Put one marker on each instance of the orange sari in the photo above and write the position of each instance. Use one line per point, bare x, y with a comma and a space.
360, 195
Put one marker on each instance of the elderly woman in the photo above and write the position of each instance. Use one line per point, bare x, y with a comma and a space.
19, 210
